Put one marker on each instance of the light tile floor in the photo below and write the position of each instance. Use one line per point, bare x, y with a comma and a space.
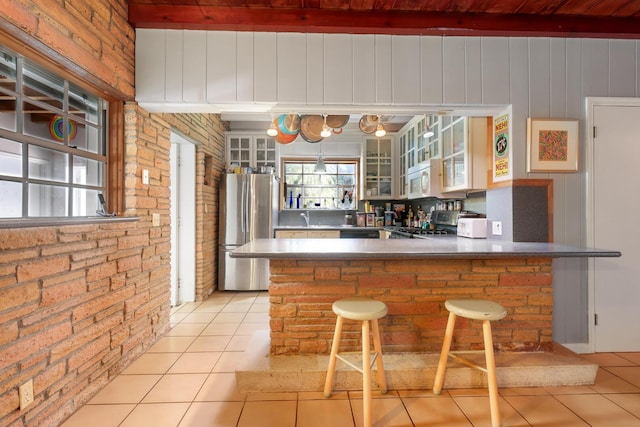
187, 379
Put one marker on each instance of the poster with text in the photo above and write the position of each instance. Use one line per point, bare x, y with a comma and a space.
502, 168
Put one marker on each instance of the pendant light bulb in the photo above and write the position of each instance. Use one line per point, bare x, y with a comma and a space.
320, 166
272, 131
429, 131
326, 132
380, 132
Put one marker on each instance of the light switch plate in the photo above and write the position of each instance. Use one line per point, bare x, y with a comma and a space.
155, 219
145, 176
496, 228
25, 392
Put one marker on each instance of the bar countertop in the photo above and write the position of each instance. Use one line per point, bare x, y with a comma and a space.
424, 248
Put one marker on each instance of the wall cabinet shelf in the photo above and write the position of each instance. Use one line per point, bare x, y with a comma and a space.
440, 155
378, 170
247, 150
464, 153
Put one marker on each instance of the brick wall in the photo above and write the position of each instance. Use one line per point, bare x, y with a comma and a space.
93, 38
78, 303
302, 291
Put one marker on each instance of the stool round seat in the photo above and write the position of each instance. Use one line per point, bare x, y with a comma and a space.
360, 308
476, 309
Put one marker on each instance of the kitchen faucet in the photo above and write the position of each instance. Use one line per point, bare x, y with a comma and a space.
306, 217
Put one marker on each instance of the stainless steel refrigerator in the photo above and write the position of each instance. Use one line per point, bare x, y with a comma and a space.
248, 210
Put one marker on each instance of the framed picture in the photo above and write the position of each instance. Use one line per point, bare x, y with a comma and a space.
552, 145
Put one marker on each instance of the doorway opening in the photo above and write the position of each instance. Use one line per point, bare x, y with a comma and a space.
182, 160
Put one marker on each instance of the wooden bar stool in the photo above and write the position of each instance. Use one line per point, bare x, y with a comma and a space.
474, 309
364, 310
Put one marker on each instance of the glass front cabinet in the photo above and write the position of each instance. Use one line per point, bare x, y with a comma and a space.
378, 168
464, 153
411, 149
251, 150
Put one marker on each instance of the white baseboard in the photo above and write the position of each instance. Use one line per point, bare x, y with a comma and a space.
579, 348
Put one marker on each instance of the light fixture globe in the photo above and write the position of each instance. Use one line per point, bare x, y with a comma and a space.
380, 132
272, 131
320, 166
325, 132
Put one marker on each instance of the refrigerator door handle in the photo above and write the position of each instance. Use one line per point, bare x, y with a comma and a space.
243, 209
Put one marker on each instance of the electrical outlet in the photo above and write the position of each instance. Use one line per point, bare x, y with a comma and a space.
155, 219
496, 228
26, 394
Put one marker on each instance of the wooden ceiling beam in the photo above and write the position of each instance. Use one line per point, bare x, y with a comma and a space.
378, 22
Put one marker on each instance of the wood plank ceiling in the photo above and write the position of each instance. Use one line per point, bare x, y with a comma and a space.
555, 18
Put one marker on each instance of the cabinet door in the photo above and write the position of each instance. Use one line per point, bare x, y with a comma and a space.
433, 141
265, 151
403, 186
421, 140
252, 151
291, 234
455, 164
411, 148
239, 151
324, 234
464, 154
378, 173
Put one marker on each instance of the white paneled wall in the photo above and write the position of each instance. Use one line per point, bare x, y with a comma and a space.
224, 67
364, 87
292, 68
539, 77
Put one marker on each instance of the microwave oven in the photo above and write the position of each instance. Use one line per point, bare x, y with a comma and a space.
423, 179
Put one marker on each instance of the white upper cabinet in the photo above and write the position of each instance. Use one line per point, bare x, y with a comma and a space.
464, 153
379, 169
251, 150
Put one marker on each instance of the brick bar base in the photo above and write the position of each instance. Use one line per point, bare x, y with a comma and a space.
301, 293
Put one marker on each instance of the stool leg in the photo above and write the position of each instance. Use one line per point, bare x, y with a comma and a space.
382, 380
444, 354
366, 374
492, 382
331, 370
